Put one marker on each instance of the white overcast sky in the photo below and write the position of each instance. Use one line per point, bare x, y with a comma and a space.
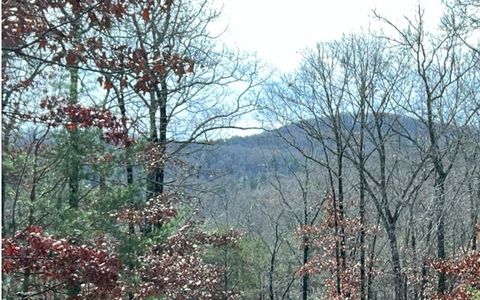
277, 29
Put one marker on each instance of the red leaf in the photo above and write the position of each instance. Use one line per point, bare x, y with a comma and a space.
43, 103
42, 44
71, 126
146, 15
71, 58
107, 84
160, 68
123, 83
57, 57
7, 266
26, 83
93, 18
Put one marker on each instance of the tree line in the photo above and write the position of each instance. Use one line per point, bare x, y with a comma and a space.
108, 106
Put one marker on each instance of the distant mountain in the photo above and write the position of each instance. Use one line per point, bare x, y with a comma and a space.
259, 154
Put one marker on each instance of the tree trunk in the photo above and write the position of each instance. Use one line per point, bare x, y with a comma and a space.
338, 140
4, 199
74, 161
128, 164
441, 254
158, 138
389, 219
474, 202
270, 277
361, 158
371, 276
305, 278
397, 269
424, 275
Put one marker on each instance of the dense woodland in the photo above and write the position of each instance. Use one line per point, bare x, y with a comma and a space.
121, 180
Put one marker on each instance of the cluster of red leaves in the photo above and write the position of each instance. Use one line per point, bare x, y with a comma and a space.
327, 241
175, 268
158, 211
153, 156
167, 4
27, 22
75, 116
60, 264
31, 25
147, 67
465, 271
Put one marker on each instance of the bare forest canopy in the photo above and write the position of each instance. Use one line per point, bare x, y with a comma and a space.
121, 178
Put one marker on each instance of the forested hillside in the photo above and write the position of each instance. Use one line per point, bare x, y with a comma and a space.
121, 177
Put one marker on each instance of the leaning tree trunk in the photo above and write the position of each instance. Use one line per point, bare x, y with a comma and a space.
389, 219
439, 194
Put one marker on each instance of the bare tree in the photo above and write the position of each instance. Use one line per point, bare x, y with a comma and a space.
440, 67
191, 98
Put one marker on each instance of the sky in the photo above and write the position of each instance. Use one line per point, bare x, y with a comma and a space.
277, 30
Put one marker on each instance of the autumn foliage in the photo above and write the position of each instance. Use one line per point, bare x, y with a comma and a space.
342, 276
174, 268
106, 102
31, 26
464, 273
60, 265
71, 36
